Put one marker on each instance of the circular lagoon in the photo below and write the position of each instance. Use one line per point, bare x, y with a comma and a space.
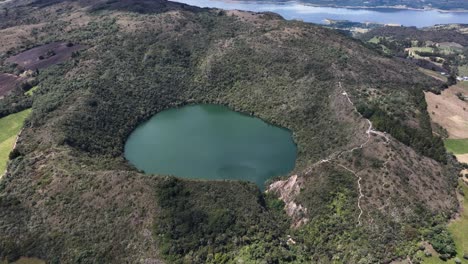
211, 142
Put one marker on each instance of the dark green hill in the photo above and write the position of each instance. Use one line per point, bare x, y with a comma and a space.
70, 197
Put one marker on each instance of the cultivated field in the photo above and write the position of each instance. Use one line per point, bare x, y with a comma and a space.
449, 111
457, 146
9, 129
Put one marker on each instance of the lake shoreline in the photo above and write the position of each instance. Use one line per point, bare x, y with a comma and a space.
310, 13
397, 7
392, 7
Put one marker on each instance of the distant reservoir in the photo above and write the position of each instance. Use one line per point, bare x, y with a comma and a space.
307, 13
211, 142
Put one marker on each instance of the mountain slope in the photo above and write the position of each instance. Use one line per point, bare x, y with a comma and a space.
69, 195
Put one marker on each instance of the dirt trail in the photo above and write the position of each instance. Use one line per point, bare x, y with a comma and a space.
293, 184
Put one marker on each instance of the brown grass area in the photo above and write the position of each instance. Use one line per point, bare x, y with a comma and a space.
245, 16
7, 83
397, 176
31, 59
77, 19
462, 158
12, 37
449, 111
129, 23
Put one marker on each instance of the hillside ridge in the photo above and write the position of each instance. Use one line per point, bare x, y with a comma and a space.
69, 189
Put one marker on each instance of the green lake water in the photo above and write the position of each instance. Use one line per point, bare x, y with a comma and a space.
211, 142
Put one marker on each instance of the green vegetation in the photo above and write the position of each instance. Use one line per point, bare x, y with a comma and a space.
458, 229
439, 48
463, 70
31, 91
10, 127
333, 212
457, 146
374, 40
15, 102
239, 219
421, 140
70, 182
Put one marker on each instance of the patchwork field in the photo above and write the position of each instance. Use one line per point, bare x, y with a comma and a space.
45, 55
450, 112
9, 129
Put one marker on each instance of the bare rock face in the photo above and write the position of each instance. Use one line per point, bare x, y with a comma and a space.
287, 190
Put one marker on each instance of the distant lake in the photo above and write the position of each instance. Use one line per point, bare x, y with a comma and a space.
297, 10
211, 142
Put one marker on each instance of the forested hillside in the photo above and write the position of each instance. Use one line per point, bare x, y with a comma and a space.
360, 195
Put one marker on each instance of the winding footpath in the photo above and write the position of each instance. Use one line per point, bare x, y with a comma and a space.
335, 155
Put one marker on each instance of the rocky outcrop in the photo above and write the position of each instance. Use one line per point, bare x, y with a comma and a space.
287, 190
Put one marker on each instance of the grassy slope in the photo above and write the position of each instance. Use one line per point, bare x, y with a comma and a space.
457, 146
434, 74
31, 91
459, 227
463, 70
9, 128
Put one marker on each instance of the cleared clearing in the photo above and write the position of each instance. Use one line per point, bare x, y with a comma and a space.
45, 55
449, 111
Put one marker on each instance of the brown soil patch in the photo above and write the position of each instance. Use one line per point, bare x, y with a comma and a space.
7, 83
462, 158
449, 111
44, 56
